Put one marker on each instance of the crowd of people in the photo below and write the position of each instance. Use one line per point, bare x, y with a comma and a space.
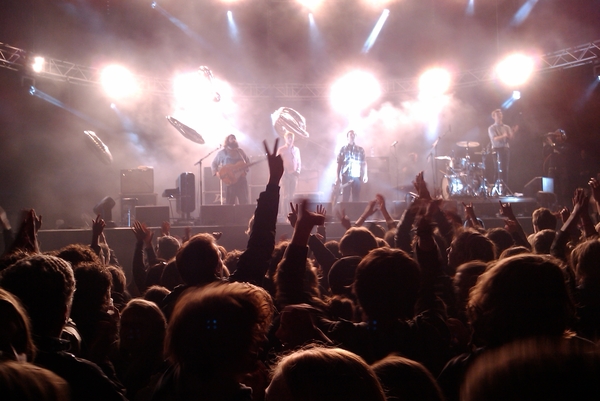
430, 307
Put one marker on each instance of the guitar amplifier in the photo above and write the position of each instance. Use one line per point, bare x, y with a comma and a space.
137, 180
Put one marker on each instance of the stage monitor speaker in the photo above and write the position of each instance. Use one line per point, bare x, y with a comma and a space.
217, 215
152, 216
545, 184
137, 180
186, 201
242, 214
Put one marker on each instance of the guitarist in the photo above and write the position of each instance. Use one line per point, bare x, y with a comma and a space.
232, 154
351, 169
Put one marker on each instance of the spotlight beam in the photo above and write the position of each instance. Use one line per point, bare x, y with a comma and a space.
523, 12
179, 24
376, 30
470, 10
44, 96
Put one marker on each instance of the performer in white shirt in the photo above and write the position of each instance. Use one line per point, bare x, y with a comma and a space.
292, 166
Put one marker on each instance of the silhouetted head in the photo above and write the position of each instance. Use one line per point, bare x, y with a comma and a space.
387, 284
520, 297
323, 374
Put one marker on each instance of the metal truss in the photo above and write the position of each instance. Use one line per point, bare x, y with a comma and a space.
17, 59
572, 57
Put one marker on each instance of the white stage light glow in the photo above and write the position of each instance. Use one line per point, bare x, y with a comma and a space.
434, 82
470, 10
516, 95
515, 69
354, 92
38, 64
192, 89
311, 4
118, 82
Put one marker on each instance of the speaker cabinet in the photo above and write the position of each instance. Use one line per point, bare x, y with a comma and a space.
217, 215
137, 180
186, 201
152, 216
242, 214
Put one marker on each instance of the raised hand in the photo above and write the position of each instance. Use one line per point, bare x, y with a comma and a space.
564, 214
595, 186
469, 210
98, 226
380, 201
580, 201
343, 218
506, 211
421, 187
275, 163
165, 228
293, 215
321, 210
306, 218
141, 232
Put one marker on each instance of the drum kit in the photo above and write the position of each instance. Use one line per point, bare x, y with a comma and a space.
462, 177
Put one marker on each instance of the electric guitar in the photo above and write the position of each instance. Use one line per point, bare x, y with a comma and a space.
231, 173
336, 191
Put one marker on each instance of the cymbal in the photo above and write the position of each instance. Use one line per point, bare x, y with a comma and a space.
467, 144
442, 158
186, 131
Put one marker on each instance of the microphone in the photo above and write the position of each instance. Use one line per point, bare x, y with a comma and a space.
394, 144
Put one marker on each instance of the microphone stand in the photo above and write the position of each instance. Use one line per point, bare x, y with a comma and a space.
432, 155
200, 189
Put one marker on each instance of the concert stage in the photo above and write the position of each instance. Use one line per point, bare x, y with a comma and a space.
122, 240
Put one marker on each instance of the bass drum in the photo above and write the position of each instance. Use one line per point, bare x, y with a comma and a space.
452, 185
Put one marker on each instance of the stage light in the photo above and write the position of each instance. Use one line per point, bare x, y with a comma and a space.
32, 90
113, 106
523, 12
311, 4
153, 4
192, 89
375, 32
597, 71
470, 11
354, 92
434, 82
38, 64
104, 209
118, 82
233, 30
515, 70
516, 95
378, 3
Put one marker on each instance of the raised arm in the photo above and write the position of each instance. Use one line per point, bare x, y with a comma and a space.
254, 261
513, 226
